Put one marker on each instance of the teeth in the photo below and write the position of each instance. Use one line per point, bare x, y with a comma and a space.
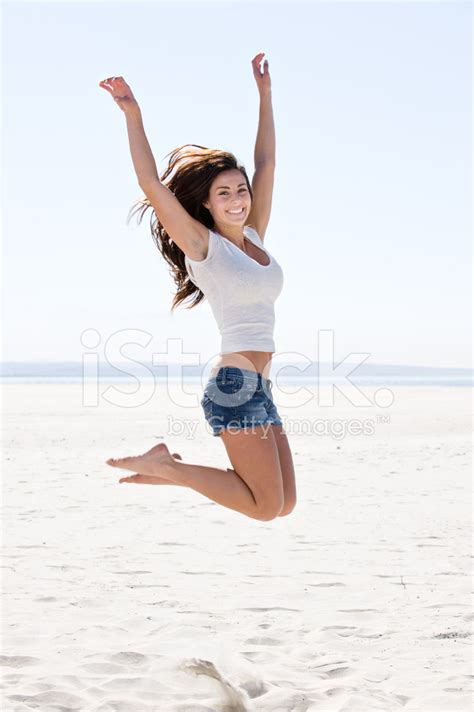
236, 212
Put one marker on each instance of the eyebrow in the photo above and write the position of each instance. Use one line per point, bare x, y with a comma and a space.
228, 186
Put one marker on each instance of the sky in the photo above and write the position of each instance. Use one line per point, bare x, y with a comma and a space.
371, 216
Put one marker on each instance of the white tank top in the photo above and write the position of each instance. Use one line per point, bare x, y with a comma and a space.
241, 292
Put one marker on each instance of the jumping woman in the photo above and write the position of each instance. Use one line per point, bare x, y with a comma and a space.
209, 225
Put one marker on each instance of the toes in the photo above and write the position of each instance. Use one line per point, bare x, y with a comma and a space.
125, 463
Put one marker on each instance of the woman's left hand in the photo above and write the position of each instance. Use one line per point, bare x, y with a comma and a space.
262, 78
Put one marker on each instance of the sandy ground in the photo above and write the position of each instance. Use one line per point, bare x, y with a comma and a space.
135, 598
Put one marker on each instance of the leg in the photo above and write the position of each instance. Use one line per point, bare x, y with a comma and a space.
287, 469
286, 466
259, 468
254, 455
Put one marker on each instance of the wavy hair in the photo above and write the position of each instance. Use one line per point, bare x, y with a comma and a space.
190, 173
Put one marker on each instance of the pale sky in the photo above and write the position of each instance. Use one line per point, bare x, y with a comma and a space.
371, 218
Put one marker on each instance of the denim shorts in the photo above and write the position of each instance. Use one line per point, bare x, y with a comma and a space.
237, 398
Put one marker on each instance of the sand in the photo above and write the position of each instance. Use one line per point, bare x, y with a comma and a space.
136, 598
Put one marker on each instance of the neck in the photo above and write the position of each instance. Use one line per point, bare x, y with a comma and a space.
235, 235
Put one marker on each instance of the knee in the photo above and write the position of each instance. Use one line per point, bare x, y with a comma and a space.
266, 513
288, 507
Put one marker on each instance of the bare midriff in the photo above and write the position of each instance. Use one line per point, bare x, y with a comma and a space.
259, 361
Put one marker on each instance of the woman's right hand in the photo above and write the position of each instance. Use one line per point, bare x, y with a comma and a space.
121, 93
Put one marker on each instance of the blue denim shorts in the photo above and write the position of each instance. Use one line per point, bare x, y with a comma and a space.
237, 398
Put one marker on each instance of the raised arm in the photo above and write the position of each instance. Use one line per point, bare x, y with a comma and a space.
265, 142
189, 234
264, 154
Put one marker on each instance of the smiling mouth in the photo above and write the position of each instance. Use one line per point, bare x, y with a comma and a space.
239, 212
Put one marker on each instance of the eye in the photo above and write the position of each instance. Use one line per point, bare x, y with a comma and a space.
240, 190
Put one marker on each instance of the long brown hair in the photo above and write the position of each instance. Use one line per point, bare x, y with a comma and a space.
189, 176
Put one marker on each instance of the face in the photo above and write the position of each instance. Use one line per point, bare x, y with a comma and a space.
229, 199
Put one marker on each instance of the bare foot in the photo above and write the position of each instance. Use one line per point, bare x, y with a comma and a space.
157, 462
149, 480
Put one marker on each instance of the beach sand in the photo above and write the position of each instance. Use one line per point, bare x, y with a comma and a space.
135, 598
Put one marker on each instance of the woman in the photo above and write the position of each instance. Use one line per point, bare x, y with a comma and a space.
209, 226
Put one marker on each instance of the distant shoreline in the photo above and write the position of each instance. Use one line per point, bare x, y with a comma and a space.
280, 379
286, 371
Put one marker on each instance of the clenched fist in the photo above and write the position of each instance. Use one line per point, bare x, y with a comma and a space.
121, 93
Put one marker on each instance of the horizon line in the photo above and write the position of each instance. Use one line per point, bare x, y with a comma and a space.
131, 362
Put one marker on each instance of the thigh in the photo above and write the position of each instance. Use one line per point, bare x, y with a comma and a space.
286, 466
254, 456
